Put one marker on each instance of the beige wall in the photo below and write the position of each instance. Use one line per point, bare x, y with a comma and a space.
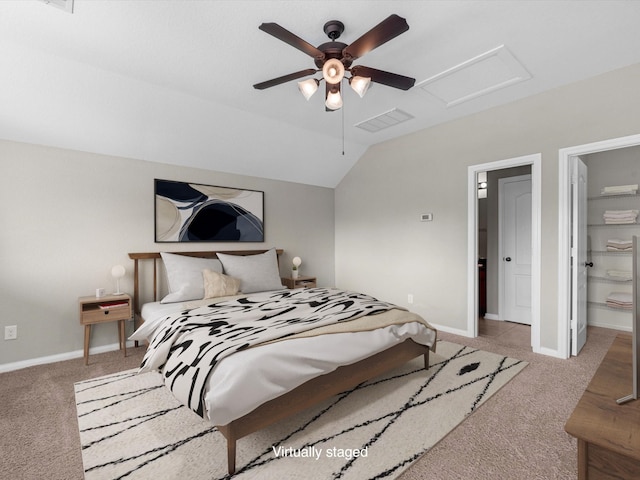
68, 217
381, 246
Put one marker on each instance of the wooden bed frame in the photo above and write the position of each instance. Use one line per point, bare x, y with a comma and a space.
304, 396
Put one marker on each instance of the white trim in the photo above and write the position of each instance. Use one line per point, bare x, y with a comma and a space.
60, 357
492, 316
550, 352
535, 160
500, 269
453, 331
564, 229
611, 326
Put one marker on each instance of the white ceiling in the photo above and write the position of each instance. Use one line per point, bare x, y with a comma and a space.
171, 81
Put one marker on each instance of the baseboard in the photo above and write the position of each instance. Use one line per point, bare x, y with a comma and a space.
609, 325
453, 331
60, 357
491, 316
549, 352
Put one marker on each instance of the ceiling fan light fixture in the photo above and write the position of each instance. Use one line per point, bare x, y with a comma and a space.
308, 87
334, 100
333, 71
360, 85
334, 58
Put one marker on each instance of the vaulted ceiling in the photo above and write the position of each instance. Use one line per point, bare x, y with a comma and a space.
171, 81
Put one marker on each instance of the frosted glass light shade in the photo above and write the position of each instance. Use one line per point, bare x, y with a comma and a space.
297, 261
333, 71
360, 85
118, 272
308, 87
334, 100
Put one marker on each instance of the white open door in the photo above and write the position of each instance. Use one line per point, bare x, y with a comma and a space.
579, 262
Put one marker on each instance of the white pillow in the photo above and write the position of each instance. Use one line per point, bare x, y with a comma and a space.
184, 275
257, 273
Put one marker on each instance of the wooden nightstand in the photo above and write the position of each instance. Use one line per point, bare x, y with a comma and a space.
301, 282
110, 308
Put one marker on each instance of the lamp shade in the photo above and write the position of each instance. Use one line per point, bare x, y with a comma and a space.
334, 100
297, 261
360, 85
333, 71
118, 271
308, 87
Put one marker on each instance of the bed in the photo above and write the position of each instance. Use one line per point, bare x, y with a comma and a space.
345, 339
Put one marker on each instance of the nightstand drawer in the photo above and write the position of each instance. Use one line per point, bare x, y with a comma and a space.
96, 315
300, 282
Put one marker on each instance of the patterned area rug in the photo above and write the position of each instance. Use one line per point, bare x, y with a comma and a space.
132, 427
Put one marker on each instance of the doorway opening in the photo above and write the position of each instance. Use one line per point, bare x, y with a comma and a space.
565, 208
474, 237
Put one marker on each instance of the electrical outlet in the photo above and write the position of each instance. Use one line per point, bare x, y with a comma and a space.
11, 332
410, 298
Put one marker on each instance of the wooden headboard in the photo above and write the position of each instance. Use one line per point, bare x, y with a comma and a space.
155, 257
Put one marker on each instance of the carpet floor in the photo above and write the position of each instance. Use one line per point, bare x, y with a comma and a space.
132, 427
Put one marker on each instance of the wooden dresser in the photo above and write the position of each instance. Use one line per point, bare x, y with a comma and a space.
608, 434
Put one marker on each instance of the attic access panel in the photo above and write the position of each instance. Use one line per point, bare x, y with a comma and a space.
66, 5
486, 73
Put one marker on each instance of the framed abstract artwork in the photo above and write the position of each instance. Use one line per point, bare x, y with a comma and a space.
192, 212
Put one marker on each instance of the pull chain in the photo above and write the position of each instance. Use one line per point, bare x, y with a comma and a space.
342, 128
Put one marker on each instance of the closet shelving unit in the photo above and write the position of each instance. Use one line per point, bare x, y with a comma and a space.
600, 232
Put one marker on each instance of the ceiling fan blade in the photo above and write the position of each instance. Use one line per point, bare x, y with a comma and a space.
386, 30
285, 78
385, 78
286, 36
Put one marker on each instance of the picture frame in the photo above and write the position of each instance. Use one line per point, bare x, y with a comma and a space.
195, 212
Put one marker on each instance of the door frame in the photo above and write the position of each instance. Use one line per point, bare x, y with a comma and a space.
564, 229
535, 160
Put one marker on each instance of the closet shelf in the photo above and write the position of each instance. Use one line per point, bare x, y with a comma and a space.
613, 225
604, 306
607, 253
597, 279
609, 197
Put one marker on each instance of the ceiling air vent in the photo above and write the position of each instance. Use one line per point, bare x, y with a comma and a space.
384, 120
66, 5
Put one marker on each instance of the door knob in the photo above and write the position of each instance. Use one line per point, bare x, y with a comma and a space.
507, 259
588, 264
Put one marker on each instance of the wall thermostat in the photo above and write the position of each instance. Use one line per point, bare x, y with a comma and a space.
426, 217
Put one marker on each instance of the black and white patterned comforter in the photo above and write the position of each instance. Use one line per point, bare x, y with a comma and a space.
189, 344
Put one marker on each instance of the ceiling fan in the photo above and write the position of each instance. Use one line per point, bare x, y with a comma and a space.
335, 58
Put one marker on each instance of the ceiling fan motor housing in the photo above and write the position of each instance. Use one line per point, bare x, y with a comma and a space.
332, 50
